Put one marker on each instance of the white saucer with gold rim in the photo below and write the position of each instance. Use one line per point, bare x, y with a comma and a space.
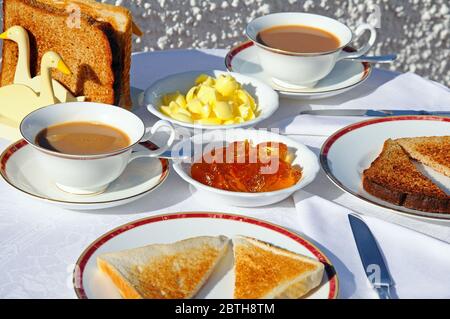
143, 175
346, 75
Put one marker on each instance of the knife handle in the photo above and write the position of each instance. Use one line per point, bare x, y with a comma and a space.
383, 292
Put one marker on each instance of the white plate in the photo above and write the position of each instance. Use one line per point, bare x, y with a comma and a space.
347, 153
304, 158
89, 282
345, 76
141, 176
265, 97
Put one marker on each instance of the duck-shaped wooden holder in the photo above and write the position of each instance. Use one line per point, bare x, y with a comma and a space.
23, 76
18, 100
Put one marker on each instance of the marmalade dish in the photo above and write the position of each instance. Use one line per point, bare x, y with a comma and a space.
242, 167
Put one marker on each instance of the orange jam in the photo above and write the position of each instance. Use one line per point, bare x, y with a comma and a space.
242, 167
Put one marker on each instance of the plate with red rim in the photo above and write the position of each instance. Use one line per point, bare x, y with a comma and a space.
90, 283
18, 169
345, 76
349, 151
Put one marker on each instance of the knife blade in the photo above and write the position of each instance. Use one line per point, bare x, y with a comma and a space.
371, 258
372, 113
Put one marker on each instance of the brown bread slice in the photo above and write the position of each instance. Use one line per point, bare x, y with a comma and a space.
393, 177
93, 52
432, 151
121, 22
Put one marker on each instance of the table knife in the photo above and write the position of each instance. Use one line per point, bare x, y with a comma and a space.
372, 113
388, 58
371, 258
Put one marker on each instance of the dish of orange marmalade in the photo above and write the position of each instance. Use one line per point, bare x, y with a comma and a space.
243, 167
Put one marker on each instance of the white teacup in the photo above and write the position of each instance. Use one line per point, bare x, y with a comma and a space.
88, 174
302, 70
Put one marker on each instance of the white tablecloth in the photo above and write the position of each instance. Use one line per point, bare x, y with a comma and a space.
39, 243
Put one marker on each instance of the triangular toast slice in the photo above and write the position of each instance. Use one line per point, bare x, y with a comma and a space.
264, 271
164, 271
432, 151
393, 177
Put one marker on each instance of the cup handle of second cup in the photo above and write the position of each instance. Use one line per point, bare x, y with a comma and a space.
155, 153
360, 31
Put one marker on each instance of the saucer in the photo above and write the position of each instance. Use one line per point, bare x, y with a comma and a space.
143, 175
345, 76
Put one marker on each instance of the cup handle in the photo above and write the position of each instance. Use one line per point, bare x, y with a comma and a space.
149, 153
360, 31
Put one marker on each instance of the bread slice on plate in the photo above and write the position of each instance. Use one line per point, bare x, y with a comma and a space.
164, 271
94, 41
432, 151
264, 271
393, 177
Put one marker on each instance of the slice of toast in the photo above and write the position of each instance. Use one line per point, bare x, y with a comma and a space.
122, 24
264, 271
432, 151
393, 177
97, 50
164, 271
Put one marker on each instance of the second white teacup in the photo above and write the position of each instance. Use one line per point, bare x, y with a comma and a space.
88, 174
297, 69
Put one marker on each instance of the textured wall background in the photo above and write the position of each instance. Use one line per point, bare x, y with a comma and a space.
418, 30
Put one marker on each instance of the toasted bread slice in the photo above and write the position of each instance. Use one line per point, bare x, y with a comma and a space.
122, 24
164, 271
264, 271
393, 177
432, 151
98, 50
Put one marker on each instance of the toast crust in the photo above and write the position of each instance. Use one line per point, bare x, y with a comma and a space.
126, 289
413, 201
394, 178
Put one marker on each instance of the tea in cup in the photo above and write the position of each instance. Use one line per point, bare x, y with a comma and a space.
85, 146
299, 49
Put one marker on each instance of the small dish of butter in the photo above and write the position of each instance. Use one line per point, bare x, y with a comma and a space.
211, 100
